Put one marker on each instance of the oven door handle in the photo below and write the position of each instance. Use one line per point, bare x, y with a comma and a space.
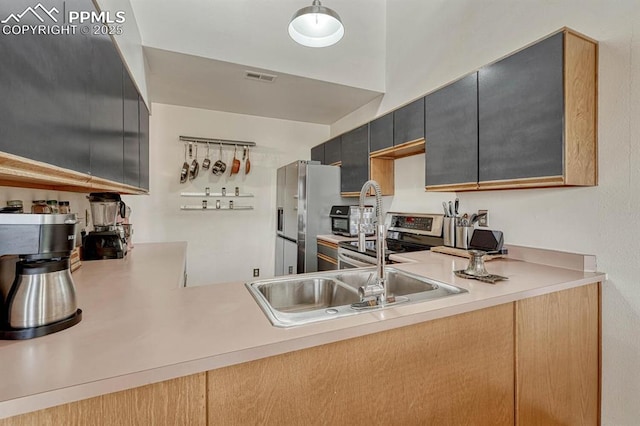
355, 259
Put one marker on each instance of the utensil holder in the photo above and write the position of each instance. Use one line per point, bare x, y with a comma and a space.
463, 236
448, 231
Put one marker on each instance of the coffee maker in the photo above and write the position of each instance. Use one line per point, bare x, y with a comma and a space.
107, 240
37, 294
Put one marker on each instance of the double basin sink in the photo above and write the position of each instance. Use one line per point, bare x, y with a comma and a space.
308, 298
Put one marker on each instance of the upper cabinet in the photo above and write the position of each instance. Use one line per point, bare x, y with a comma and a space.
131, 131
143, 132
528, 120
107, 110
451, 133
537, 115
355, 160
46, 86
317, 153
408, 123
69, 113
381, 133
333, 151
329, 152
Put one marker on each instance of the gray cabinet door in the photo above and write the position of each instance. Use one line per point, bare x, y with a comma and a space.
451, 133
63, 100
44, 90
131, 131
381, 133
521, 114
107, 144
144, 143
333, 150
355, 159
317, 153
408, 122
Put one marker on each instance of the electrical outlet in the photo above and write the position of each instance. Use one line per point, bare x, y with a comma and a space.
484, 220
256, 272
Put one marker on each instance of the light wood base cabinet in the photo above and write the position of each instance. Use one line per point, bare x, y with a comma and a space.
531, 362
180, 401
558, 358
456, 370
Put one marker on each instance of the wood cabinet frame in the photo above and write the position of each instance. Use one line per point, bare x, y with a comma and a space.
25, 173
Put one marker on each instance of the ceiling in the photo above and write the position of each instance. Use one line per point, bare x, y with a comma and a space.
199, 50
187, 80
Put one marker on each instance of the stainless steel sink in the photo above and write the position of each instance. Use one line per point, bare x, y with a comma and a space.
302, 299
306, 294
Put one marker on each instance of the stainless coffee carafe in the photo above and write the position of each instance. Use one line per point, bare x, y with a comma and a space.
37, 293
42, 293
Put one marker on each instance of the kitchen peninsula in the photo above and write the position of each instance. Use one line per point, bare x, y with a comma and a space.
151, 351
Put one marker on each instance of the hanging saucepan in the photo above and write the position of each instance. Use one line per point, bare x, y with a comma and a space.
195, 167
247, 163
235, 165
184, 173
206, 163
219, 166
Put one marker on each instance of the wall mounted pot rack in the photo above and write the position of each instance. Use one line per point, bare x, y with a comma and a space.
216, 141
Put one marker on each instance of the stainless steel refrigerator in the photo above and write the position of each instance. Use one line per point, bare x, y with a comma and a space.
305, 193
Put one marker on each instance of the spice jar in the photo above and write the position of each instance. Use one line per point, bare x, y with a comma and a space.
53, 204
40, 207
16, 203
64, 207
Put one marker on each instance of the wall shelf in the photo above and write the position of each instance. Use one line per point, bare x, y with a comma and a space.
197, 207
214, 195
218, 204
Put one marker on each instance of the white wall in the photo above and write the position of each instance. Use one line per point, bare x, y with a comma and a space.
432, 43
222, 245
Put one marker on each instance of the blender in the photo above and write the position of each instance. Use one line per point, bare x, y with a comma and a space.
107, 240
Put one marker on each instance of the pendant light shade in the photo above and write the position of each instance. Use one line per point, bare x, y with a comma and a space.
316, 26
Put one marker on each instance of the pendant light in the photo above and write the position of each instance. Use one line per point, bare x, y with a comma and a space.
316, 26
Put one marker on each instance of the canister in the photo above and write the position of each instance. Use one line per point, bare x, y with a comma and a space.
463, 236
64, 207
448, 231
17, 204
40, 207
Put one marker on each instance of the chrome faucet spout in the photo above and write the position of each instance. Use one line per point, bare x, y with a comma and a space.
379, 289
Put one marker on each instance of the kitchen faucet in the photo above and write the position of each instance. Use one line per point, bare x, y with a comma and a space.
379, 288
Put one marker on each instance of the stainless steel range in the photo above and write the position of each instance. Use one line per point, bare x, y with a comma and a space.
406, 232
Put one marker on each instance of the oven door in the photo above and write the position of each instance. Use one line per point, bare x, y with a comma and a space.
354, 259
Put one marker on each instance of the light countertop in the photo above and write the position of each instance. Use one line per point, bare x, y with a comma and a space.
140, 327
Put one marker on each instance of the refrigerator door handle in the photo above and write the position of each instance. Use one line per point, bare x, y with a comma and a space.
280, 219
284, 237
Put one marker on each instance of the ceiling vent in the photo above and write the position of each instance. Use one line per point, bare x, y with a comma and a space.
260, 76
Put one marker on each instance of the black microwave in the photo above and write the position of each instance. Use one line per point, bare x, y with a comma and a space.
344, 221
